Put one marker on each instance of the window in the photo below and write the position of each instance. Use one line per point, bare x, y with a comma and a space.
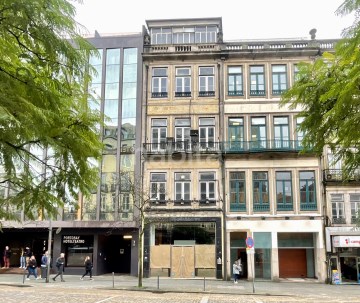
182, 133
182, 186
261, 191
307, 190
237, 191
161, 35
206, 132
279, 79
183, 82
236, 134
281, 132
355, 207
299, 132
206, 81
205, 34
257, 81
158, 186
158, 134
235, 81
207, 187
258, 133
337, 209
159, 83
183, 35
284, 199
296, 72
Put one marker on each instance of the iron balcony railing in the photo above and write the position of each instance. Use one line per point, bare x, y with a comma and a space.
237, 207
338, 220
206, 93
159, 95
235, 147
284, 207
235, 93
182, 94
338, 175
261, 207
308, 206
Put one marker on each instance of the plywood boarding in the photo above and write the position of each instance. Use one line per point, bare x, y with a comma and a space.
160, 256
182, 262
205, 256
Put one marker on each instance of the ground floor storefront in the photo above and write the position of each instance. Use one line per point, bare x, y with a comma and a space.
343, 253
184, 248
110, 250
282, 249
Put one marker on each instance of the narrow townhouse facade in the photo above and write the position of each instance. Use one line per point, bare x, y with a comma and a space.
102, 226
220, 155
342, 196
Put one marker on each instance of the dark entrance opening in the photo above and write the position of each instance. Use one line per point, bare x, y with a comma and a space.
117, 254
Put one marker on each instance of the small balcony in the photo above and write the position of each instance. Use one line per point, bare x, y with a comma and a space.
261, 207
338, 220
183, 94
308, 206
206, 93
284, 207
278, 92
159, 95
237, 207
235, 93
261, 146
257, 93
338, 175
170, 147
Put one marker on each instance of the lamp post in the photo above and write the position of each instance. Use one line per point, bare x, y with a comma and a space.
49, 252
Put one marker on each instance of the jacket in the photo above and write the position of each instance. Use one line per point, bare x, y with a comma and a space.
32, 263
88, 264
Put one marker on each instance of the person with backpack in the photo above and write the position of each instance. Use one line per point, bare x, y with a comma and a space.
60, 264
44, 265
88, 268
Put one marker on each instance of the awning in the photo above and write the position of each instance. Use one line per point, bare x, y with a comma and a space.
346, 241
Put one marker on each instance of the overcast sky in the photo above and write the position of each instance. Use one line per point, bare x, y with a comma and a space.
242, 19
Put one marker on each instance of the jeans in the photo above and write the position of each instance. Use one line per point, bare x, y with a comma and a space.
32, 271
22, 262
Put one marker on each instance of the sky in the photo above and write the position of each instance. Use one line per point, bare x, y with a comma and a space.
241, 19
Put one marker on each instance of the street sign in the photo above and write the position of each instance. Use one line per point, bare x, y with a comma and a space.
249, 242
250, 251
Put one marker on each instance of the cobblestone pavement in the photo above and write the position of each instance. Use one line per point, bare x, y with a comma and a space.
111, 289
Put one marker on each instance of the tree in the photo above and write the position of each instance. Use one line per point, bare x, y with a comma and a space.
327, 92
48, 132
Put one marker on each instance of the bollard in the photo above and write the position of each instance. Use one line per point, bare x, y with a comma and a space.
113, 279
158, 282
24, 277
204, 283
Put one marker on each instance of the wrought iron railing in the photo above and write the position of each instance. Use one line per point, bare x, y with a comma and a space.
237, 207
284, 207
261, 207
206, 93
182, 94
338, 220
235, 93
339, 175
308, 206
159, 95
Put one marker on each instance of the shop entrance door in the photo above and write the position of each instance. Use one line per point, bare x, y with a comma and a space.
349, 269
182, 262
358, 269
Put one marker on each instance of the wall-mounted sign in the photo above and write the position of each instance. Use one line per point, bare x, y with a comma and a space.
72, 239
346, 241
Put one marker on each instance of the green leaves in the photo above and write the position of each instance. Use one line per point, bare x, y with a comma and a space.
328, 95
47, 130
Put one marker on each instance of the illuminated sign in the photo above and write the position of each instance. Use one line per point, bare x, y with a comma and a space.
346, 241
73, 239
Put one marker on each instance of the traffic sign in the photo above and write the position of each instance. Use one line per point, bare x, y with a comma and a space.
249, 242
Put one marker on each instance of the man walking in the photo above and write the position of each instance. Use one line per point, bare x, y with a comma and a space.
60, 263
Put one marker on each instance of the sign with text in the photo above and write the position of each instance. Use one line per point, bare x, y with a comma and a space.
72, 239
346, 241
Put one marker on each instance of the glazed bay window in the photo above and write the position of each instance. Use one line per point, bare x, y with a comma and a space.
257, 80
159, 83
235, 134
183, 35
207, 187
337, 209
258, 133
205, 34
235, 81
182, 134
260, 191
279, 79
158, 134
206, 81
183, 82
284, 196
182, 187
237, 191
355, 207
307, 190
281, 133
206, 132
158, 187
161, 35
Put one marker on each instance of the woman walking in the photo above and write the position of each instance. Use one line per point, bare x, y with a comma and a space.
88, 268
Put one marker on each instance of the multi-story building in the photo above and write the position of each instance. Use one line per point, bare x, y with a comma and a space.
342, 196
221, 157
102, 226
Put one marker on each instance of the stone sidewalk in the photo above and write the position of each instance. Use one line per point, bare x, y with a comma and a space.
292, 287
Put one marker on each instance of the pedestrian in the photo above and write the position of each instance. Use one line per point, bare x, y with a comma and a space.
32, 268
22, 258
236, 271
28, 254
7, 255
60, 264
88, 268
44, 265
240, 267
